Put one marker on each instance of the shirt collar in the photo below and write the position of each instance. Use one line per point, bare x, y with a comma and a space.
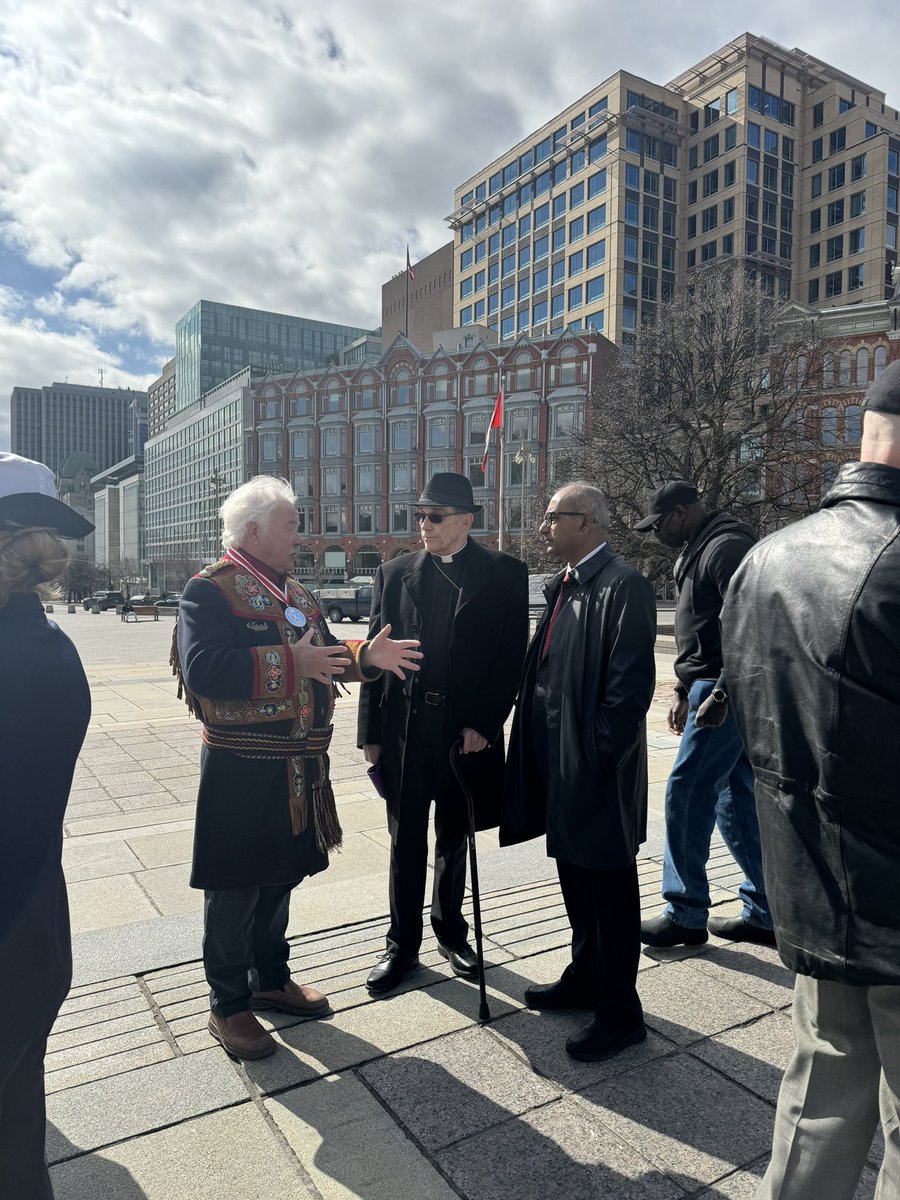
574, 570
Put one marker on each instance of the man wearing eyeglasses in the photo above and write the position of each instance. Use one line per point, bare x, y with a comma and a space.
577, 765
469, 608
711, 781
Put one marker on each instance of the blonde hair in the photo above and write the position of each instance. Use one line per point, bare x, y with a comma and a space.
29, 560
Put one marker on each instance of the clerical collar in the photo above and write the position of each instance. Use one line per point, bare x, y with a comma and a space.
453, 558
264, 570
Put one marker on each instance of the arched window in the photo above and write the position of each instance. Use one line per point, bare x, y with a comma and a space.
828, 369
828, 426
844, 375
802, 363
852, 424
862, 366
880, 359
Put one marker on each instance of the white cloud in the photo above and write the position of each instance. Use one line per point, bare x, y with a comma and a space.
281, 156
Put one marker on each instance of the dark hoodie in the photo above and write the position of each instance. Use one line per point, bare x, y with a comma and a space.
702, 575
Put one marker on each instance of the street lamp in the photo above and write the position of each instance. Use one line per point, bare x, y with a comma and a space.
523, 457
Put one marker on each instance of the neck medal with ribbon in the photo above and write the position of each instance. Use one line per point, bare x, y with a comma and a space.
294, 615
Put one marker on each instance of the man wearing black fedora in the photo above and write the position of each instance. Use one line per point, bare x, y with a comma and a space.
468, 606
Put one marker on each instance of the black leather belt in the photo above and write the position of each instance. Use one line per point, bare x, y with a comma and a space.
436, 699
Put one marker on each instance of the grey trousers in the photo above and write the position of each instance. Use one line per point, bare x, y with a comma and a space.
844, 1074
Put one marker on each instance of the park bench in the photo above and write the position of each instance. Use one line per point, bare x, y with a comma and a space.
139, 610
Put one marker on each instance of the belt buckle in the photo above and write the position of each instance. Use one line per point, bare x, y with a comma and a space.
435, 699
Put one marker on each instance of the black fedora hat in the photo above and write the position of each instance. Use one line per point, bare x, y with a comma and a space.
666, 498
446, 489
28, 499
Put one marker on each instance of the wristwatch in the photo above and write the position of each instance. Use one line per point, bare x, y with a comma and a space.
720, 696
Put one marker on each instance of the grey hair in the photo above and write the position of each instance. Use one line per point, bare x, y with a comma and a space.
589, 500
255, 500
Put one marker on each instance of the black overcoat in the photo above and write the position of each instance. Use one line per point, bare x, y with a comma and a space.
45, 706
599, 678
487, 647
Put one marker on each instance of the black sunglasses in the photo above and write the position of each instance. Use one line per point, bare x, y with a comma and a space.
550, 518
435, 518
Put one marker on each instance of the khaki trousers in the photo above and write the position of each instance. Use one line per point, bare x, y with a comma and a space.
844, 1074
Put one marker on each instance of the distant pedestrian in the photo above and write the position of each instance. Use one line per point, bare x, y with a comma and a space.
469, 606
45, 707
811, 634
711, 781
577, 764
258, 663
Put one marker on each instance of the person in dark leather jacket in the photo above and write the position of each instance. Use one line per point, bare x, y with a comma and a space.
811, 641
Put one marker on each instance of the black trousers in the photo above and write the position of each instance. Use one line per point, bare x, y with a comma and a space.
23, 1124
604, 910
426, 778
244, 947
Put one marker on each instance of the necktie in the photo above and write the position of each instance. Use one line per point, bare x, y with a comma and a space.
554, 614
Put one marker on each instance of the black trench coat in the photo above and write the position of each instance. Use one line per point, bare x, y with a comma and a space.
487, 648
599, 678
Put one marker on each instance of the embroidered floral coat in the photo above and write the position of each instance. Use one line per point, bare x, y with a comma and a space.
233, 653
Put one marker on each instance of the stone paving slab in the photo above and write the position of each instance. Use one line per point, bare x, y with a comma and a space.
222, 1156
110, 1110
350, 1145
557, 1152
721, 1127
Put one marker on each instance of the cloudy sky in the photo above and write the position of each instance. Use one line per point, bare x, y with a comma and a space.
281, 155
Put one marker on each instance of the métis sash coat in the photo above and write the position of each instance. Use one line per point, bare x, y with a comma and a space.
599, 679
487, 647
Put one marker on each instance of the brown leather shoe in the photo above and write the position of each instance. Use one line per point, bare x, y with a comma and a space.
295, 998
242, 1036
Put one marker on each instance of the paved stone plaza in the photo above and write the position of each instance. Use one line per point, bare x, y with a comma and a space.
406, 1096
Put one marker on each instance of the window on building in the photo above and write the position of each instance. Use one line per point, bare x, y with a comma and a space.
857, 204
836, 176
818, 114
835, 212
770, 141
731, 137
857, 240
837, 140
728, 174
708, 251
594, 289
752, 170
834, 248
857, 167
575, 294
815, 254
856, 277
813, 291
710, 218
366, 439
711, 183
833, 284
816, 150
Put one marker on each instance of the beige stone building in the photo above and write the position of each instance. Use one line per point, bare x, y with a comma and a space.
757, 152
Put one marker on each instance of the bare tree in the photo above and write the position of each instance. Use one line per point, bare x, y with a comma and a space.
715, 392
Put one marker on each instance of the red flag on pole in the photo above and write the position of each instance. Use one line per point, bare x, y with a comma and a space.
496, 422
409, 269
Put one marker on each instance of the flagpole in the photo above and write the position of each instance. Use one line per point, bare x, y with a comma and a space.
501, 535
406, 315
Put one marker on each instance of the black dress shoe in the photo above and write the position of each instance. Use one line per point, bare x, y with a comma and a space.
462, 959
600, 1040
390, 972
660, 931
736, 929
556, 997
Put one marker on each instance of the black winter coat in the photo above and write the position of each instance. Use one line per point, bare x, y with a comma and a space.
45, 706
811, 633
487, 647
599, 678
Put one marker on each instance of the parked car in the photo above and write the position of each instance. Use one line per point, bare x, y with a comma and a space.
103, 600
354, 603
169, 601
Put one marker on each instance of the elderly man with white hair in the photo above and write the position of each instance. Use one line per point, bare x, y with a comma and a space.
258, 665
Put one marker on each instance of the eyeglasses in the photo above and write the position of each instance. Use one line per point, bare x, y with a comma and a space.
550, 518
435, 518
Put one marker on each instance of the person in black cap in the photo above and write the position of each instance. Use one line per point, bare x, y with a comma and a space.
811, 637
711, 781
45, 707
469, 608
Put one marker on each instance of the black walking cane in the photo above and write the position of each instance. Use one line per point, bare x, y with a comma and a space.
484, 1013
